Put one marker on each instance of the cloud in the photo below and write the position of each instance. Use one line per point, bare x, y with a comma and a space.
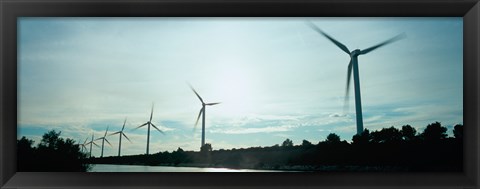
337, 115
269, 129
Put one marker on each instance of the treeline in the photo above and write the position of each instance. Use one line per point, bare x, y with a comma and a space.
53, 153
388, 149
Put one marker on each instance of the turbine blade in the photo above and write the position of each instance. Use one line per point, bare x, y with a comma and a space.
105, 132
126, 137
85, 140
108, 142
201, 100
151, 113
157, 128
211, 104
391, 40
115, 133
339, 45
124, 124
347, 89
140, 126
199, 114
96, 144
98, 139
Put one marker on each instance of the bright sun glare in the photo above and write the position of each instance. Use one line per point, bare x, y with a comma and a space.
235, 90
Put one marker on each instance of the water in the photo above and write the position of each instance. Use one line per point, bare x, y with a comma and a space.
142, 168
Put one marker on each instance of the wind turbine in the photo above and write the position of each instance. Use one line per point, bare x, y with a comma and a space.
354, 65
121, 133
202, 112
91, 143
148, 123
103, 141
83, 145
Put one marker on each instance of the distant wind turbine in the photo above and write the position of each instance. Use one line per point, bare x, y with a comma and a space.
148, 123
83, 148
104, 139
92, 143
354, 64
202, 112
121, 133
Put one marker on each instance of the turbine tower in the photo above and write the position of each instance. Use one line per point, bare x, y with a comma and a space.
103, 141
202, 112
148, 123
121, 133
354, 65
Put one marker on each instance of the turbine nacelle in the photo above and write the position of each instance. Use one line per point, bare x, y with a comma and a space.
355, 52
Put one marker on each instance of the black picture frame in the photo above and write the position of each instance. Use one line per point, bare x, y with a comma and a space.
12, 9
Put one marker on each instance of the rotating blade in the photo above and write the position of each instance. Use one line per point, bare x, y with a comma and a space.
95, 144
211, 104
151, 113
105, 132
115, 133
107, 141
391, 40
198, 118
339, 45
157, 128
140, 126
123, 127
201, 100
347, 89
126, 137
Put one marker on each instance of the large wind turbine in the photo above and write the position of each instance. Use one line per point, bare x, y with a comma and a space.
148, 123
202, 112
354, 64
91, 143
121, 133
103, 141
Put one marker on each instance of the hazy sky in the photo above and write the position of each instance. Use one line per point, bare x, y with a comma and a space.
276, 78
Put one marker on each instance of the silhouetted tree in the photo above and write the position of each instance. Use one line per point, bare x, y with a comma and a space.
408, 132
332, 138
24, 144
458, 131
363, 138
386, 135
306, 143
434, 131
52, 154
26, 153
178, 157
287, 143
50, 140
207, 147
181, 150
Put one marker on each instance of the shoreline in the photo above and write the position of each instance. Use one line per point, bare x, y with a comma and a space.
286, 168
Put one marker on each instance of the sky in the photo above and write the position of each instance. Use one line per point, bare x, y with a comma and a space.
276, 78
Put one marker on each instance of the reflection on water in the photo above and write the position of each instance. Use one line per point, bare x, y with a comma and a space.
141, 168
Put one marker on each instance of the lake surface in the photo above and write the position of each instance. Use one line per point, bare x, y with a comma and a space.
142, 168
